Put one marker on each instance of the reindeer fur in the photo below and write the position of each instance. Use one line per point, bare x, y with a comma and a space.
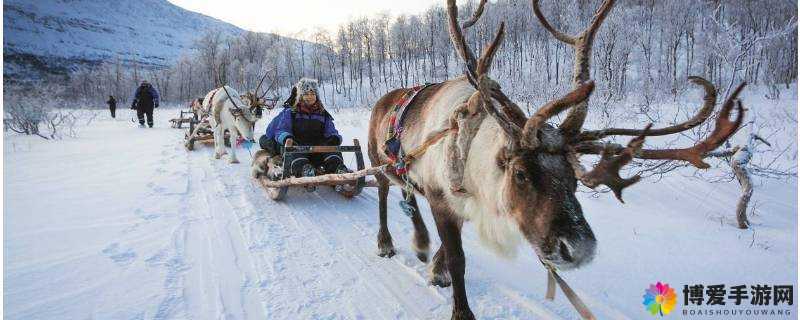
471, 150
223, 119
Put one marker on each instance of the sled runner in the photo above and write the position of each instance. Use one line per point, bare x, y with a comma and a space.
199, 131
183, 117
274, 173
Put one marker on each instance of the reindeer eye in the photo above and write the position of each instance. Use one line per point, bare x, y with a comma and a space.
519, 176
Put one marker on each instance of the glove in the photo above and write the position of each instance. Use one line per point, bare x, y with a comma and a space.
156, 106
333, 141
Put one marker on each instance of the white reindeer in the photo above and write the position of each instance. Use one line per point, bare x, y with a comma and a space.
230, 114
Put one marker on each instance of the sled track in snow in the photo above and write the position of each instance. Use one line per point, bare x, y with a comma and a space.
180, 235
308, 248
313, 255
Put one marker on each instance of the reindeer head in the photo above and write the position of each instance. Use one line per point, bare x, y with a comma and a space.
538, 163
539, 187
257, 103
254, 103
244, 117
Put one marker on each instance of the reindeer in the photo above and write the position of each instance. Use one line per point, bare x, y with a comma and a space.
515, 176
224, 104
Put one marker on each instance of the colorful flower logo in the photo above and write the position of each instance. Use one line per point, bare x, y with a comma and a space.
659, 299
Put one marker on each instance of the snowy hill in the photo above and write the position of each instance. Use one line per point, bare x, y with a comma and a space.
146, 230
55, 36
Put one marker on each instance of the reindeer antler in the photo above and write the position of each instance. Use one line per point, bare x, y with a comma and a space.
724, 128
477, 71
273, 81
709, 101
615, 156
611, 161
582, 44
553, 108
260, 82
607, 170
475, 16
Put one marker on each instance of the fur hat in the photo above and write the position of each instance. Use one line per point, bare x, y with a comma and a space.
306, 85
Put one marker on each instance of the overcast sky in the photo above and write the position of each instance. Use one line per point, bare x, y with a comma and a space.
288, 17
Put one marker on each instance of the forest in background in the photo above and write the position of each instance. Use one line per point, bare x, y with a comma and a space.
641, 58
646, 49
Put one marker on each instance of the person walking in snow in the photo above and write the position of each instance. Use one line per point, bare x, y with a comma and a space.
145, 99
112, 106
306, 122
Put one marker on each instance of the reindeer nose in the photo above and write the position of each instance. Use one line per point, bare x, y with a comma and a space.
573, 252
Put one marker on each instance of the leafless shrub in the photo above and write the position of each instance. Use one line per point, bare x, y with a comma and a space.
37, 110
25, 117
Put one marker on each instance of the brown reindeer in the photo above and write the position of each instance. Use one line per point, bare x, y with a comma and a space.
514, 176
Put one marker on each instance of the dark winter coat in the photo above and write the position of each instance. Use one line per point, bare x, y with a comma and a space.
145, 98
307, 129
112, 103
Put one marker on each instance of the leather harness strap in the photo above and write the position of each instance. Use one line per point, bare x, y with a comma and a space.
577, 303
210, 105
391, 145
419, 151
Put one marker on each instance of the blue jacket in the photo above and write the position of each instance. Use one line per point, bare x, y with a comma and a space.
304, 128
145, 97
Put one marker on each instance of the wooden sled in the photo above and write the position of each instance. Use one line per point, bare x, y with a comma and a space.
347, 184
183, 117
201, 131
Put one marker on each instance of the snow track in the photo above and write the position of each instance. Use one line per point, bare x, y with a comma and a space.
147, 230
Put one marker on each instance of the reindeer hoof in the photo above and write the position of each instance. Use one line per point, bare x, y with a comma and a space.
385, 246
421, 245
386, 252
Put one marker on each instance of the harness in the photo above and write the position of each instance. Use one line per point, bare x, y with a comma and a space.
397, 156
203, 113
399, 159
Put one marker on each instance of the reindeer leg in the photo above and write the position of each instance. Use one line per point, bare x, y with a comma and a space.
438, 275
421, 241
219, 145
233, 137
385, 246
449, 227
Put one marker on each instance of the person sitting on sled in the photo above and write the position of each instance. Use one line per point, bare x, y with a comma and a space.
305, 122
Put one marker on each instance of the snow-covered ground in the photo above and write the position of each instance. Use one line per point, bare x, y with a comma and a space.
124, 223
